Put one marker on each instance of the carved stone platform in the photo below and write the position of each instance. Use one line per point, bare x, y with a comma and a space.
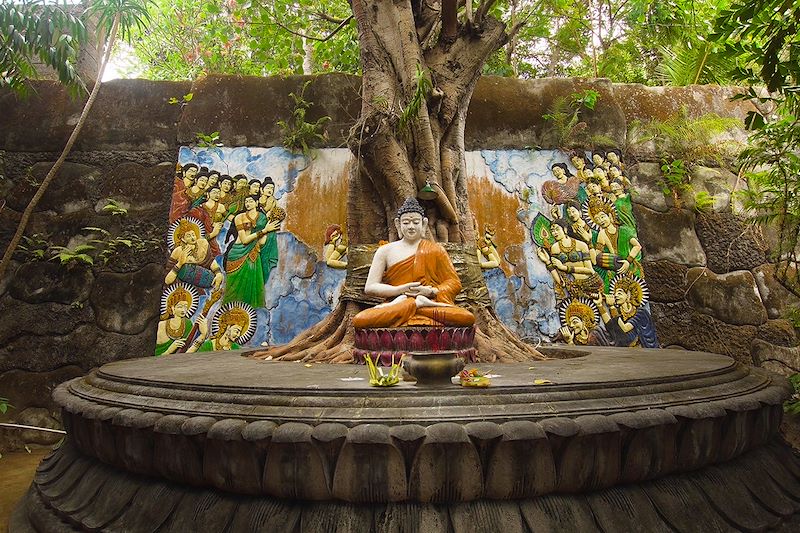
622, 440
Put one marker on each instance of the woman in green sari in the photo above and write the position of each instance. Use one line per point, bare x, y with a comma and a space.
251, 257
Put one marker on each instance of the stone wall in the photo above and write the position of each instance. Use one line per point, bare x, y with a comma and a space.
710, 278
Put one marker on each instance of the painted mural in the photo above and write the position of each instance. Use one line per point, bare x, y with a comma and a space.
258, 246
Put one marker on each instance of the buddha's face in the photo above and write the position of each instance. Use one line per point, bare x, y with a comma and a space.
255, 188
226, 185
181, 308
573, 213
411, 226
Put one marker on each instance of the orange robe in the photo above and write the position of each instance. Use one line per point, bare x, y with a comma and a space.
430, 266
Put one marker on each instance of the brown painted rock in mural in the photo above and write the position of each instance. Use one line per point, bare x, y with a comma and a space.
127, 303
678, 324
717, 182
645, 189
777, 299
139, 186
666, 280
778, 332
729, 243
40, 282
779, 359
732, 297
669, 236
67, 193
88, 346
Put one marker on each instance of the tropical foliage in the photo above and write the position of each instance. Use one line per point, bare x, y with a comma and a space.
763, 37
31, 31
643, 41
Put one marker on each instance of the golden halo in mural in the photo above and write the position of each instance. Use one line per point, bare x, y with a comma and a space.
235, 313
178, 292
594, 205
633, 285
178, 229
580, 307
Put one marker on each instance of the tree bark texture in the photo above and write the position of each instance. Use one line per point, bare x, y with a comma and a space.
407, 45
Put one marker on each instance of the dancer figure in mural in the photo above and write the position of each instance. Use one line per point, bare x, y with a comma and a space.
241, 191
181, 201
251, 257
335, 247
570, 264
174, 325
578, 227
628, 321
233, 325
488, 256
192, 259
622, 203
416, 277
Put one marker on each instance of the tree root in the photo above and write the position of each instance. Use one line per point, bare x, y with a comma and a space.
332, 340
494, 342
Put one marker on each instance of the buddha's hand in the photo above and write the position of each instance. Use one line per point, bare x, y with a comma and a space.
423, 290
567, 334
407, 288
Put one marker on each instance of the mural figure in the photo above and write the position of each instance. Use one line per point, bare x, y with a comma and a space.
580, 318
196, 191
570, 264
618, 248
562, 190
335, 247
192, 259
578, 160
416, 277
232, 326
251, 256
178, 303
184, 179
627, 320
211, 214
488, 256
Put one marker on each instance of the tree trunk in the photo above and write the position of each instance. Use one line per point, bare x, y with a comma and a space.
406, 47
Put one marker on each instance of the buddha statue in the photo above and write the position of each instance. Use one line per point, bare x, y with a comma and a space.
415, 277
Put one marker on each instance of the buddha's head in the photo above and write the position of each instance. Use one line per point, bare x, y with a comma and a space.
410, 221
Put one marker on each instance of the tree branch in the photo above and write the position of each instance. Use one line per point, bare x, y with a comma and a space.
483, 9
311, 37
